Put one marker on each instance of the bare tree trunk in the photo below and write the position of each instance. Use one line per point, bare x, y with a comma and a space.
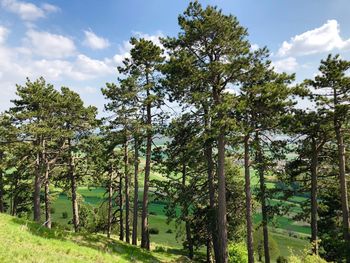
260, 164
209, 249
343, 184
185, 215
2, 207
222, 221
145, 242
136, 192
127, 193
47, 197
14, 200
248, 201
73, 182
121, 219
314, 204
222, 256
342, 174
208, 151
110, 196
37, 188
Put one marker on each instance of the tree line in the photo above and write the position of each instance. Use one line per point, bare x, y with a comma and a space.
232, 111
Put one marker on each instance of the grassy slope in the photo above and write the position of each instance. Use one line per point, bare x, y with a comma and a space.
25, 241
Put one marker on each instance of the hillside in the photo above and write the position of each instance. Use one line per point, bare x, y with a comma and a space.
25, 241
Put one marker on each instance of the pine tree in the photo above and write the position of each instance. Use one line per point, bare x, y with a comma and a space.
333, 80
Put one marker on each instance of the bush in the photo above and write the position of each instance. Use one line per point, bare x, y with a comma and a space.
64, 215
305, 257
169, 231
281, 259
237, 253
52, 210
153, 213
154, 231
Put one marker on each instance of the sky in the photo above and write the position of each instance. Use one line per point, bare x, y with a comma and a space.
80, 43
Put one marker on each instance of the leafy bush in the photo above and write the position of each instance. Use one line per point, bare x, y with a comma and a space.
282, 259
153, 213
237, 253
169, 231
305, 257
64, 215
52, 210
154, 231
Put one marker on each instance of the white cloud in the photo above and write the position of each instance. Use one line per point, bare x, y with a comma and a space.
322, 39
28, 11
56, 58
95, 42
3, 34
50, 45
285, 65
254, 47
50, 8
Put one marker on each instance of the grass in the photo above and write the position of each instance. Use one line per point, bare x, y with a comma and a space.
25, 241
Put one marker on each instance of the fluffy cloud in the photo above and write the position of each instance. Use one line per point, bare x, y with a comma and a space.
285, 65
28, 11
95, 42
56, 58
3, 34
50, 45
323, 39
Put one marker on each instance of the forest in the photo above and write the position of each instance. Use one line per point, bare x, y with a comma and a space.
204, 153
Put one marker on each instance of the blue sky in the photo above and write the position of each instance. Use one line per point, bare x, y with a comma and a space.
79, 44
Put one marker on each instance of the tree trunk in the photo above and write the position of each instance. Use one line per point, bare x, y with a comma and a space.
314, 205
127, 194
222, 221
248, 201
37, 188
208, 151
145, 242
343, 184
121, 221
259, 158
209, 249
185, 215
110, 196
2, 207
136, 193
47, 197
73, 182
222, 255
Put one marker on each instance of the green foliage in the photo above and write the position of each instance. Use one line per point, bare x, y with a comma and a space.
237, 253
154, 231
305, 257
64, 215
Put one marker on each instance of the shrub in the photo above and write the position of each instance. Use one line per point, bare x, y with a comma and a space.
153, 213
305, 257
52, 210
64, 215
237, 253
281, 259
154, 231
169, 231
160, 249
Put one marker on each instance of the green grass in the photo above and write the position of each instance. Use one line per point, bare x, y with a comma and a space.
25, 241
